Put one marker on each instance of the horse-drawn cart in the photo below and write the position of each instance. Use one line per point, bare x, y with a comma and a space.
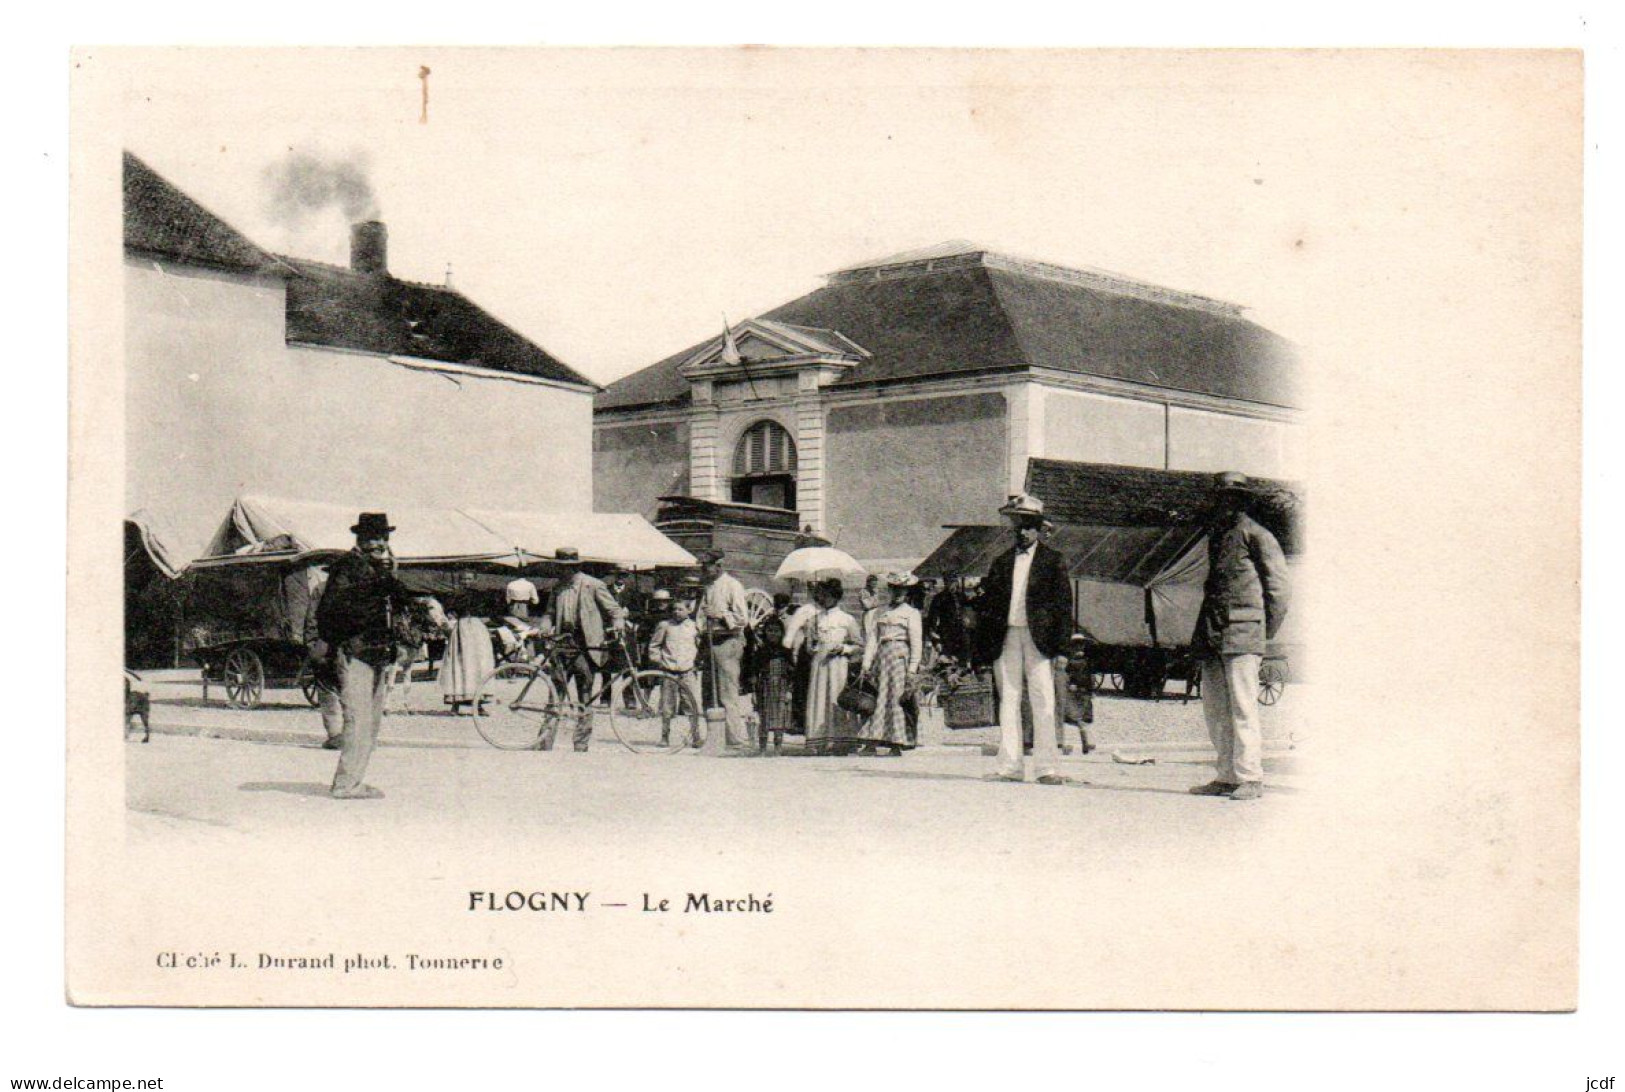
244, 622
1135, 545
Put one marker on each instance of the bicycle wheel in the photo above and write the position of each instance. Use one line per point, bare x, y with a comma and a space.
516, 707
654, 714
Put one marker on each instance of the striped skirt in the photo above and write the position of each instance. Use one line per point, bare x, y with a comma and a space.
774, 701
890, 724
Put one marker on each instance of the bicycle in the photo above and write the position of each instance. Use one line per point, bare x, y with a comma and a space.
524, 706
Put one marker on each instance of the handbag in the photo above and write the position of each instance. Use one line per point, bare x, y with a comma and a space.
860, 696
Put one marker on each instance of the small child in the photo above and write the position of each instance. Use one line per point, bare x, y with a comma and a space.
674, 647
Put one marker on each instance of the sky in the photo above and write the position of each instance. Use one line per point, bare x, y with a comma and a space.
614, 205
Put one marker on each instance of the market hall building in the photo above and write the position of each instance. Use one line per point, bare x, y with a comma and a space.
915, 392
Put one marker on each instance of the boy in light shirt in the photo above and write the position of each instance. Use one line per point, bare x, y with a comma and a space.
674, 647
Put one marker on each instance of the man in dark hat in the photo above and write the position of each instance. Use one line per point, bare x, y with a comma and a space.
724, 614
583, 608
355, 624
1243, 604
1024, 622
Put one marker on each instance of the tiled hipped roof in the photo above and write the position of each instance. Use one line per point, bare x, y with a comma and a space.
333, 306
979, 312
162, 221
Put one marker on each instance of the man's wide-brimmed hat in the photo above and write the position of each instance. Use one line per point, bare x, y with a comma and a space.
567, 555
1023, 506
661, 595
709, 557
1229, 481
371, 525
901, 580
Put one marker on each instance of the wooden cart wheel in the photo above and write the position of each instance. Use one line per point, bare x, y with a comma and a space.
245, 679
758, 606
1271, 683
306, 682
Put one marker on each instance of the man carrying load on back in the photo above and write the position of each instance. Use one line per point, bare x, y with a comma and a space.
1243, 604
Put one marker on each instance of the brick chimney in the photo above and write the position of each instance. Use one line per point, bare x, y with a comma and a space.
369, 247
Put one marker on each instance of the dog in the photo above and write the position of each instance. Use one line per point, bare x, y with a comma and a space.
137, 704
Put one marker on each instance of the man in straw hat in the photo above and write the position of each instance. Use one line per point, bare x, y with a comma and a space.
356, 631
1024, 622
1243, 604
583, 608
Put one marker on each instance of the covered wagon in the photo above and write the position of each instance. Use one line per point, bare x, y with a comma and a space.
1136, 550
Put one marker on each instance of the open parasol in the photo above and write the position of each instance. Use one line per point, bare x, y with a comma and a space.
818, 563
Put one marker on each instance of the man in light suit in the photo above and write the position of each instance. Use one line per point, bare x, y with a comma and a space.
1024, 621
1243, 604
583, 608
724, 616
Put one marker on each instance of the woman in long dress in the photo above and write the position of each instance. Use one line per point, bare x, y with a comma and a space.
797, 643
832, 638
469, 659
892, 646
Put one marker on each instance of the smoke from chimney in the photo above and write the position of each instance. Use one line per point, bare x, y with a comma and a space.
312, 197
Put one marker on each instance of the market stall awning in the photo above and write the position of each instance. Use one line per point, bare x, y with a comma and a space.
616, 538
158, 539
1133, 555
264, 526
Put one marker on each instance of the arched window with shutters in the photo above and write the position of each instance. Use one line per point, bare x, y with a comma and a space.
764, 470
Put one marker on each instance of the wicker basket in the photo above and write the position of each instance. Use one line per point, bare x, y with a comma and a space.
970, 704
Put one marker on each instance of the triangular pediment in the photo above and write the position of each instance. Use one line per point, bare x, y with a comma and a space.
762, 341
753, 347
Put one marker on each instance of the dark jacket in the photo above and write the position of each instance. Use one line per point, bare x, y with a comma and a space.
948, 623
1049, 604
357, 609
1245, 598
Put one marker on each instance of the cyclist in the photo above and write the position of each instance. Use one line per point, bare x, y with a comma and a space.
582, 609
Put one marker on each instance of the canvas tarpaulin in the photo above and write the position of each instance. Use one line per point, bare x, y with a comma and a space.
153, 591
158, 540
967, 551
618, 538
259, 524
1131, 585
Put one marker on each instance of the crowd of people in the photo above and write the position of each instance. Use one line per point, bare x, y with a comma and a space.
849, 682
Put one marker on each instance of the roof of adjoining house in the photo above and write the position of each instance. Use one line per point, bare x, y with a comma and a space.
331, 305
161, 220
959, 309
1131, 496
